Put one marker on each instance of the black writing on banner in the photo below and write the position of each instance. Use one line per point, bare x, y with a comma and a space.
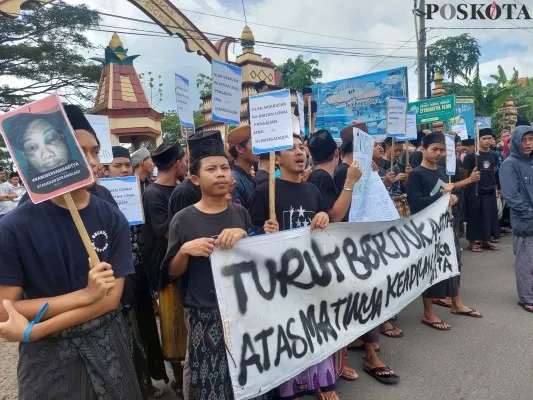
294, 298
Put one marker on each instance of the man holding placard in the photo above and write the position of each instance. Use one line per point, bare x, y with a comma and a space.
72, 304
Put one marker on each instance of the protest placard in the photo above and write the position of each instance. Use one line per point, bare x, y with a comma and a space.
291, 299
434, 109
226, 92
271, 121
44, 149
451, 159
370, 199
465, 112
396, 116
100, 124
460, 130
127, 193
410, 128
301, 114
184, 101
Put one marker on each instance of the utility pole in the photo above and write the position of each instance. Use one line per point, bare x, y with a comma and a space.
421, 14
429, 74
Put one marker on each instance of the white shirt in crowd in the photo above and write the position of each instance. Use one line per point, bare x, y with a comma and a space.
6, 205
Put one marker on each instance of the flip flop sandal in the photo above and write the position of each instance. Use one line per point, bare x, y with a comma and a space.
434, 325
388, 379
385, 331
525, 306
469, 313
349, 376
442, 303
489, 246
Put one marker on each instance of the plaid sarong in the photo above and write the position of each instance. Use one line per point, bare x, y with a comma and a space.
401, 204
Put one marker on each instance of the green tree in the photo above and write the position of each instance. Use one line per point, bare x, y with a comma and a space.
154, 87
455, 56
43, 51
204, 84
299, 73
171, 127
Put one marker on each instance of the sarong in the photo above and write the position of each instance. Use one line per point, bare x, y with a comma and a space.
339, 359
321, 375
523, 249
482, 216
86, 362
208, 363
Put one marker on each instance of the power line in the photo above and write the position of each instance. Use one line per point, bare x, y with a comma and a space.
389, 56
244, 12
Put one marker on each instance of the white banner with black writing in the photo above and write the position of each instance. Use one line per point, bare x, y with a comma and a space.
291, 299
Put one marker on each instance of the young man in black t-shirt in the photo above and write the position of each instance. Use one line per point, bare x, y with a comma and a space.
240, 148
193, 235
427, 183
482, 223
43, 260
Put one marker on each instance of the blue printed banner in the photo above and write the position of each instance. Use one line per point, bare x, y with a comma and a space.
363, 98
465, 112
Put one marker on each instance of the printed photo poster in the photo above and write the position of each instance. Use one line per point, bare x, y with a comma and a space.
271, 121
362, 97
184, 102
126, 191
226, 92
451, 160
100, 124
44, 148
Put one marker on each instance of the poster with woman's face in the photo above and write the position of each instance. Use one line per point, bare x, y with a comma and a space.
45, 150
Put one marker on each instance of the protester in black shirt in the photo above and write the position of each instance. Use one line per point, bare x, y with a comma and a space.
480, 199
427, 184
263, 171
298, 205
325, 153
137, 301
44, 258
143, 166
240, 148
170, 162
193, 235
184, 194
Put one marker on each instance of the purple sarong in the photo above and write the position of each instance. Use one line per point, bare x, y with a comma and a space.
321, 375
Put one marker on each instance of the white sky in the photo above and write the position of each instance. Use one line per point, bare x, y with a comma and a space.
389, 22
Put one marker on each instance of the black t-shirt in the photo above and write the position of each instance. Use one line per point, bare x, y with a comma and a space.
196, 285
184, 195
384, 165
43, 253
341, 172
486, 165
296, 205
261, 177
155, 204
425, 187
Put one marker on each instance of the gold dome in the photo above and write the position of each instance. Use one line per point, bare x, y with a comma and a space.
247, 34
115, 42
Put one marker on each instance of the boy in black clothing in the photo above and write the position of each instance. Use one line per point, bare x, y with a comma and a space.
427, 183
193, 235
480, 200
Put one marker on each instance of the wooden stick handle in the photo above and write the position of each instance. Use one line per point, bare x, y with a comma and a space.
309, 115
272, 187
407, 155
392, 154
81, 229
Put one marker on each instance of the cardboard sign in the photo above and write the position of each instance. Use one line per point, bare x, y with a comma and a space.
184, 101
44, 148
396, 116
451, 160
465, 112
434, 109
100, 124
226, 92
461, 130
127, 193
291, 299
271, 121
410, 128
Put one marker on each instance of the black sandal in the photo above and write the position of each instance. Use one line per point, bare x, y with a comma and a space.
434, 325
387, 379
525, 306
469, 313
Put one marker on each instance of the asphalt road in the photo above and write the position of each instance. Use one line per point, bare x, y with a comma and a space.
479, 359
